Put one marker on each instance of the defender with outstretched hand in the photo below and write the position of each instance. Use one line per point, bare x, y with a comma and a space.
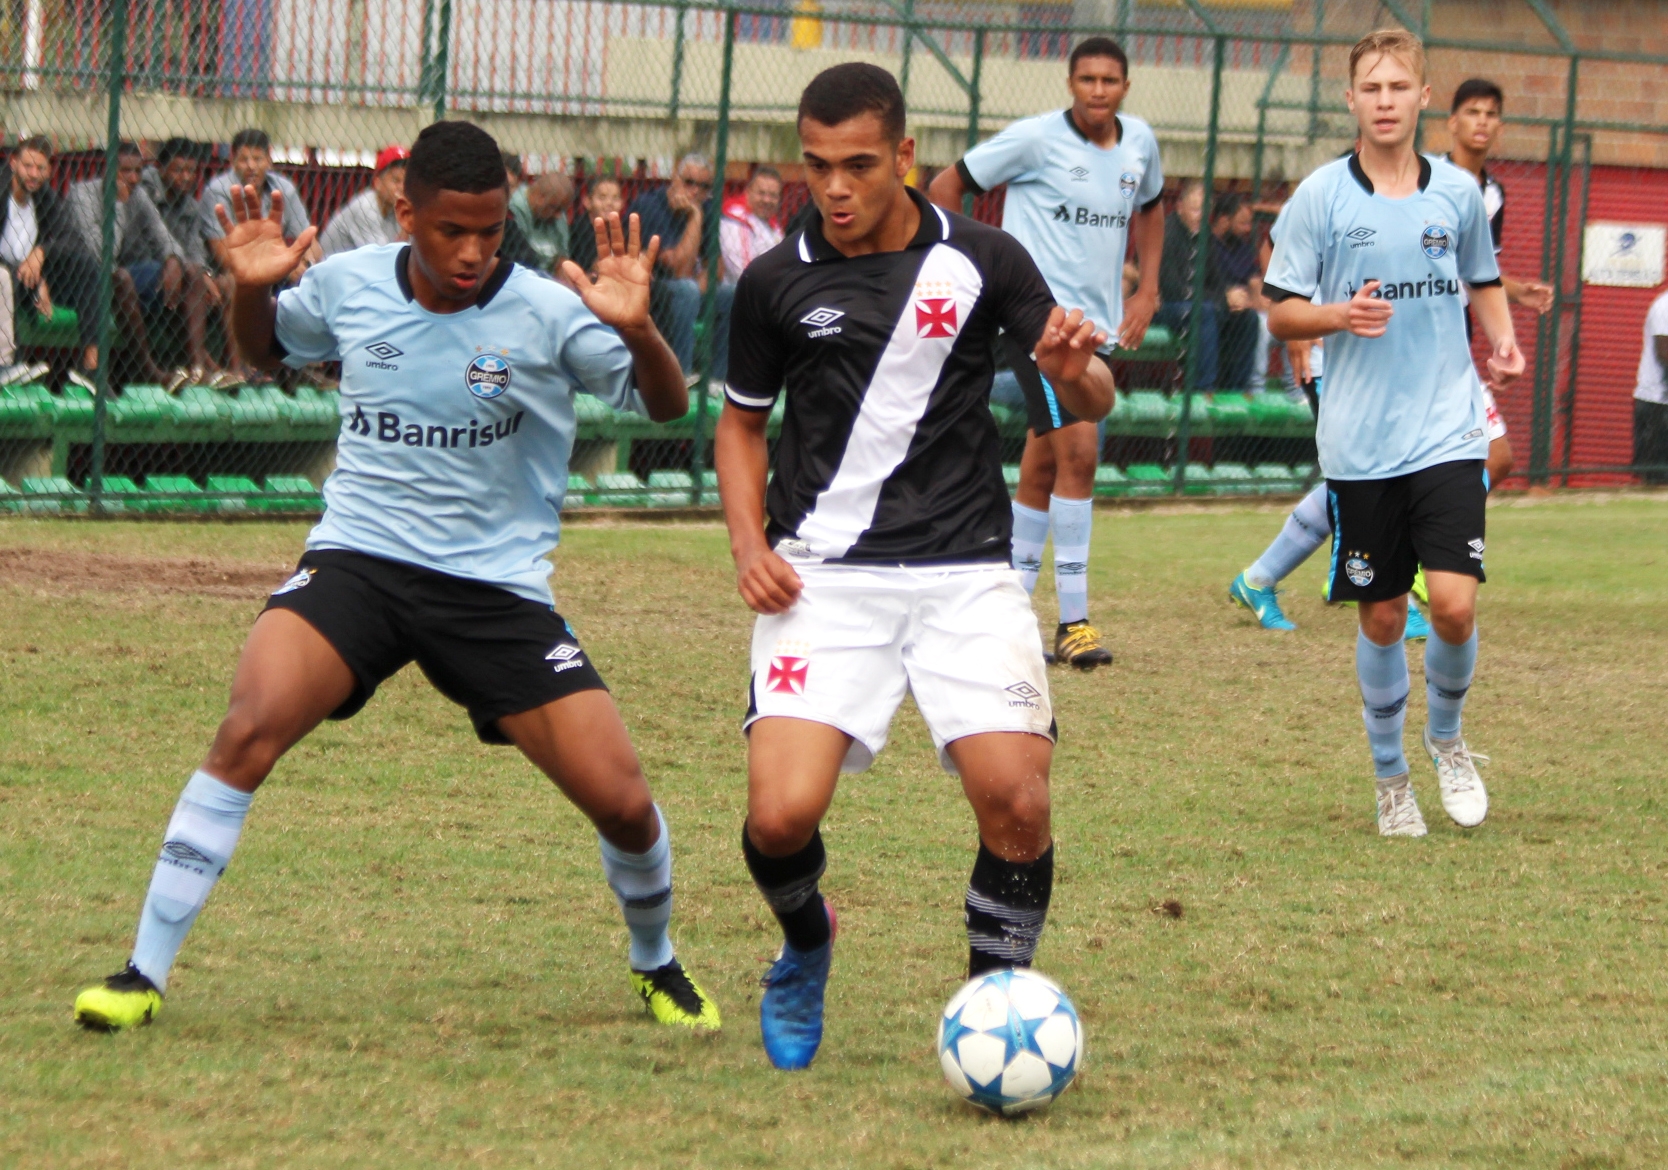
877, 557
458, 376
1387, 239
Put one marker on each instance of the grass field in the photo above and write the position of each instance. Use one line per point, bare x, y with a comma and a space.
413, 959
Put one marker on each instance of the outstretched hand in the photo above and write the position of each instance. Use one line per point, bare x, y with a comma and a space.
1068, 341
619, 297
256, 254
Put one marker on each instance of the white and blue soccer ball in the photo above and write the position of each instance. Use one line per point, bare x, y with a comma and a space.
1010, 1041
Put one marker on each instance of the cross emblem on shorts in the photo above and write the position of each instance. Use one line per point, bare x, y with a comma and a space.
935, 317
787, 675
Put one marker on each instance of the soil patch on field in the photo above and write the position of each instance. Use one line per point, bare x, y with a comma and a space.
67, 571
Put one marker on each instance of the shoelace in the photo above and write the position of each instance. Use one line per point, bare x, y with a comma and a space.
1460, 779
1402, 807
1084, 637
675, 982
129, 978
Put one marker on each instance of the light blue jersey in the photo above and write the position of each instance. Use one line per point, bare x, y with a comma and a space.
1410, 399
1069, 202
456, 427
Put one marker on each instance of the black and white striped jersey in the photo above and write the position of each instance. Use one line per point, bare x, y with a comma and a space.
888, 451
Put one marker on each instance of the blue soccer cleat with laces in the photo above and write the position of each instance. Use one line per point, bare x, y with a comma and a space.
1418, 626
790, 1011
1265, 603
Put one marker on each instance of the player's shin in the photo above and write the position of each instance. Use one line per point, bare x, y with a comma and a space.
201, 836
1030, 535
1448, 673
1007, 903
1382, 674
1305, 530
1073, 522
642, 884
789, 885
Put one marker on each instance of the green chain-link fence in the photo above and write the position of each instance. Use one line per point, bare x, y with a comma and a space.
122, 395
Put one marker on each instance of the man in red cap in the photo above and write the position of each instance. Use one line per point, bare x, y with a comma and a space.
368, 218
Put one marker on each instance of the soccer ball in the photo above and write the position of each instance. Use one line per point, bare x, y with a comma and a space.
1010, 1041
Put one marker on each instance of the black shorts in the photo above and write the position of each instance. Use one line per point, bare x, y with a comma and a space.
486, 649
1383, 530
1043, 412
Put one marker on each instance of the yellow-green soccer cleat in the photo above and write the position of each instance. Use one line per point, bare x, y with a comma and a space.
672, 997
124, 1000
1419, 590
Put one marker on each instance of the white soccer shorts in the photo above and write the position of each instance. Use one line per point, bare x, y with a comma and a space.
963, 639
1496, 424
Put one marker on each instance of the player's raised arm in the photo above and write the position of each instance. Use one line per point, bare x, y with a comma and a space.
257, 258
619, 297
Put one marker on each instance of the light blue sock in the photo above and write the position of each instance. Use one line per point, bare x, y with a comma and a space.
1448, 673
642, 883
1074, 521
1305, 530
1382, 673
1030, 534
201, 835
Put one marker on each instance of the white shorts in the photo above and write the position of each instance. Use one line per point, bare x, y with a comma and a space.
1496, 424
963, 639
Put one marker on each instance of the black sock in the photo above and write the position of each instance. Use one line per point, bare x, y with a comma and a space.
1007, 902
789, 884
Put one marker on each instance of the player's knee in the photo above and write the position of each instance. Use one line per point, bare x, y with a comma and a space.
1018, 811
629, 817
1453, 619
1384, 625
779, 830
245, 748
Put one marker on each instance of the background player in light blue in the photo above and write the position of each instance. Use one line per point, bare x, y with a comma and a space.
458, 376
1386, 239
1077, 179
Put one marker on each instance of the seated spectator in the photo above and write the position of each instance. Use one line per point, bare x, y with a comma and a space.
1236, 258
1175, 284
750, 229
251, 167
150, 266
172, 186
603, 197
513, 173
1650, 396
42, 249
676, 214
368, 218
539, 208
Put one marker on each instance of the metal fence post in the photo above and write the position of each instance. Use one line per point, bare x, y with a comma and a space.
710, 258
116, 78
1201, 261
677, 64
908, 44
1558, 198
440, 63
1577, 303
973, 106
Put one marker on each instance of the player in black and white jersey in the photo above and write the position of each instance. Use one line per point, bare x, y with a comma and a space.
878, 557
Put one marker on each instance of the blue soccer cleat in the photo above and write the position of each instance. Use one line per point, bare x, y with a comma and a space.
1418, 626
1265, 603
790, 1011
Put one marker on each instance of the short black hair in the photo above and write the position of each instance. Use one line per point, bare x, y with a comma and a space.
251, 137
512, 164
128, 149
843, 92
39, 143
1098, 47
178, 148
1228, 205
453, 156
1477, 87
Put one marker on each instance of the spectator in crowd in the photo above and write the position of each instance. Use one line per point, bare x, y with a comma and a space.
251, 167
368, 218
150, 267
676, 213
1175, 283
749, 227
539, 208
39, 244
603, 197
1650, 396
513, 174
172, 187
1236, 258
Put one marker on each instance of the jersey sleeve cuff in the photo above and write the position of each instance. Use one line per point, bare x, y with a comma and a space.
1277, 294
1153, 202
968, 182
748, 401
1495, 283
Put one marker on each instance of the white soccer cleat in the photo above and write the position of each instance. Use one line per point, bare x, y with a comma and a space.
1398, 811
1463, 796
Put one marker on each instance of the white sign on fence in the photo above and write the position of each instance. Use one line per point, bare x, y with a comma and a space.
1626, 254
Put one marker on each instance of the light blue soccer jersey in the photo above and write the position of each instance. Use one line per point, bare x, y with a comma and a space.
1410, 399
456, 427
1069, 202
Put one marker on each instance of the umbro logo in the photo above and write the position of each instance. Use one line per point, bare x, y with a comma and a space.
1361, 237
562, 653
1079, 174
385, 351
821, 321
1024, 695
180, 851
